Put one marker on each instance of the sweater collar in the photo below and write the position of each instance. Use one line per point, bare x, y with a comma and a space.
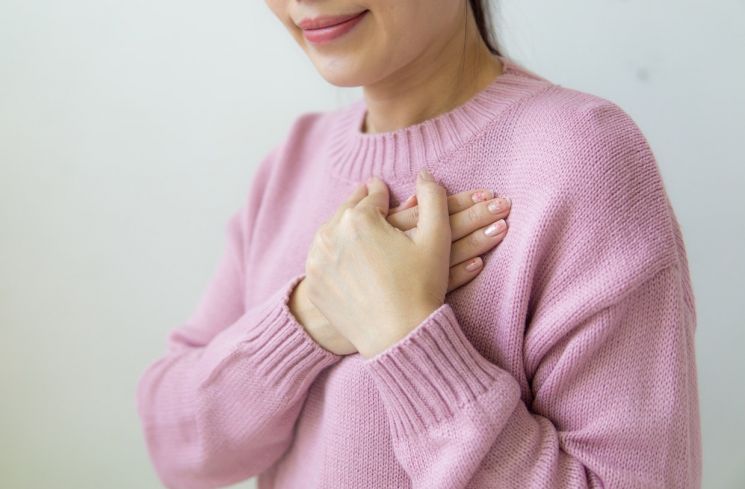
401, 153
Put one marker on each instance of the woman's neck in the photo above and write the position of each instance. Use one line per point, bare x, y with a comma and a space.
433, 84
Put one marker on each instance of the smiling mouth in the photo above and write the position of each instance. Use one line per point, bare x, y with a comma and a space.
329, 31
327, 21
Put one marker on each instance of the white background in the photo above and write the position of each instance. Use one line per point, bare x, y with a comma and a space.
130, 130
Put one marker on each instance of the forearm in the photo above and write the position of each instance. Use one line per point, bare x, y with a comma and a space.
224, 411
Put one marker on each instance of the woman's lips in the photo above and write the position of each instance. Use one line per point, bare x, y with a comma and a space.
330, 32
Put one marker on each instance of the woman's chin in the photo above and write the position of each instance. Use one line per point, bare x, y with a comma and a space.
343, 80
342, 72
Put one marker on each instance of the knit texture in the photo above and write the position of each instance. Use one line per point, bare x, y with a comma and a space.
567, 362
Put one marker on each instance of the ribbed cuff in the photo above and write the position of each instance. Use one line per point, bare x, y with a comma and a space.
433, 373
281, 349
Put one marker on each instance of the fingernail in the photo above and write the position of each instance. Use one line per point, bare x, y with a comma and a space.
498, 205
482, 195
426, 175
473, 265
495, 228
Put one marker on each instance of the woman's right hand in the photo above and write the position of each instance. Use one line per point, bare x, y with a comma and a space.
470, 216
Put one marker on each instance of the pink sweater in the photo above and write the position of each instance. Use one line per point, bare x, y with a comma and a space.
567, 362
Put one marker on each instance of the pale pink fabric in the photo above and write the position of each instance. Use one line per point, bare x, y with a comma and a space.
568, 361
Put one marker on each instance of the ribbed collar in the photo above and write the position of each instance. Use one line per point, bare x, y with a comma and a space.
400, 154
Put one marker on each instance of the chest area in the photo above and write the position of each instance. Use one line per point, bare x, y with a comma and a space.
288, 221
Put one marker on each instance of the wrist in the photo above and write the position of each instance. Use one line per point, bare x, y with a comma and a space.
400, 328
305, 312
315, 324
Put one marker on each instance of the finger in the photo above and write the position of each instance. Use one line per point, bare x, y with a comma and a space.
377, 195
478, 216
434, 220
462, 273
463, 200
476, 243
358, 194
405, 217
406, 204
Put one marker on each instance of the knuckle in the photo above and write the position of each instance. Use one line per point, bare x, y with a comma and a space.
356, 218
414, 214
311, 268
473, 214
474, 240
355, 222
323, 238
317, 237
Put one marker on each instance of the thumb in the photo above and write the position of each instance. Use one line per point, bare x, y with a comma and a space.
433, 224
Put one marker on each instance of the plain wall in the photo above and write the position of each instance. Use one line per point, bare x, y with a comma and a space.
130, 130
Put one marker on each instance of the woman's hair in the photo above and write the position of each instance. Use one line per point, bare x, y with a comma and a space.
483, 21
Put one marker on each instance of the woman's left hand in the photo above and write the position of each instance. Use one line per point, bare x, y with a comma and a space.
372, 281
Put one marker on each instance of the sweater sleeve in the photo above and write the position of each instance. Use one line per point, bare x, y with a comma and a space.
219, 406
615, 401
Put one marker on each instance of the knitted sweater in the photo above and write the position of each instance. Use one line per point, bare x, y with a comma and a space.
567, 362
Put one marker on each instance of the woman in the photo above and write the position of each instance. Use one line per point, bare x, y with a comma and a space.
343, 342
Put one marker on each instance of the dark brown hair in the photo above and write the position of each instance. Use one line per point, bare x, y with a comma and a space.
484, 22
